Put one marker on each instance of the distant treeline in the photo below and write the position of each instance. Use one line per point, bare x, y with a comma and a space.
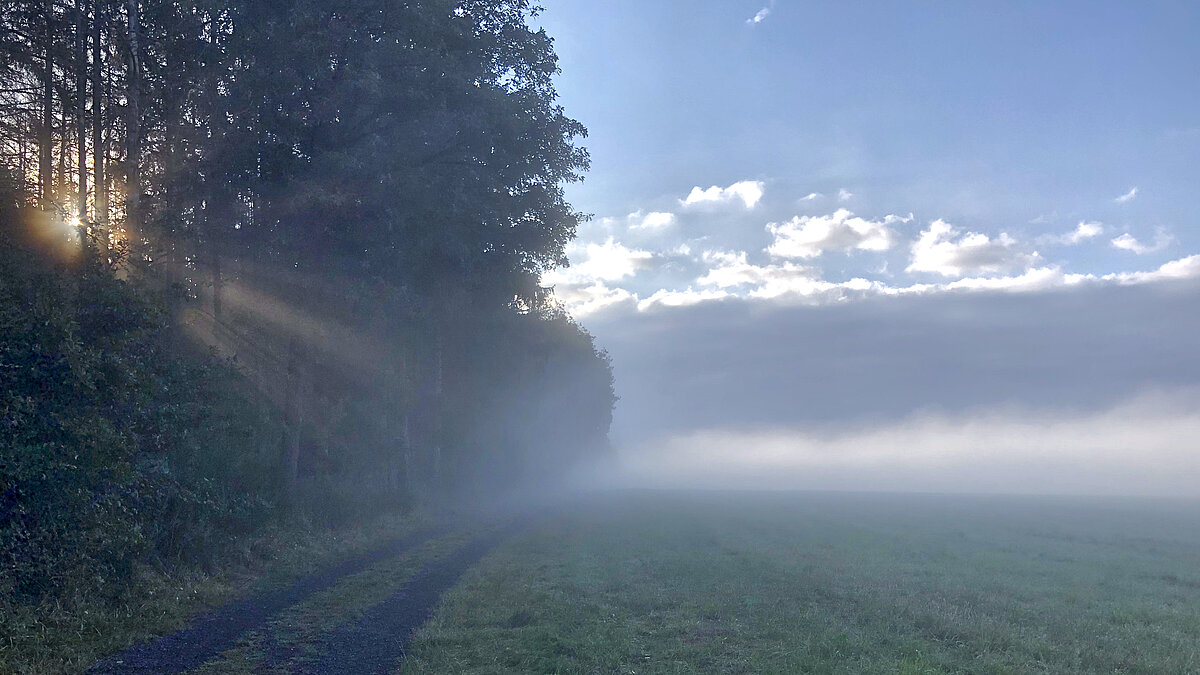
268, 257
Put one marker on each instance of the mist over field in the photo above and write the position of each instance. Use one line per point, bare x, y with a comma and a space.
1089, 390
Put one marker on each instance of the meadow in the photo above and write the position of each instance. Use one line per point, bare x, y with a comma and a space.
661, 582
645, 582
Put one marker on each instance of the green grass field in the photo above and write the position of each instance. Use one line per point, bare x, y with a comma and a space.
648, 582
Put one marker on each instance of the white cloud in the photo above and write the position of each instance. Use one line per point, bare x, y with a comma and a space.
760, 16
748, 191
844, 195
1128, 242
654, 220
584, 299
731, 275
810, 236
1184, 268
943, 250
812, 291
1127, 197
1083, 232
731, 270
811, 196
665, 298
610, 261
1037, 279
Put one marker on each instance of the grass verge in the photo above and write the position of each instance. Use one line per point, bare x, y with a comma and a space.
68, 634
296, 636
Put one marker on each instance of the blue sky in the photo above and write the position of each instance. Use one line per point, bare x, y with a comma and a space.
1000, 114
921, 157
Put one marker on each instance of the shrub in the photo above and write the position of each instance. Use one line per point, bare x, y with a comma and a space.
116, 447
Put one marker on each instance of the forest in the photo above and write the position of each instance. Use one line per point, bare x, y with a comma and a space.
276, 261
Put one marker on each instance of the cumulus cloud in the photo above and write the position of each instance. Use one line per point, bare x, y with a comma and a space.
729, 274
608, 261
731, 270
944, 250
583, 298
749, 192
845, 195
1127, 242
1083, 232
1175, 270
811, 196
810, 236
655, 220
1127, 197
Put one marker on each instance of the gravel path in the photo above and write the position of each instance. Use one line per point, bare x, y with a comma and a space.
214, 632
378, 640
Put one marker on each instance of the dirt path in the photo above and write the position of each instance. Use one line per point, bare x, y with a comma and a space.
218, 630
379, 639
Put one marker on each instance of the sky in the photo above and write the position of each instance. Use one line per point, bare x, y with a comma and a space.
925, 246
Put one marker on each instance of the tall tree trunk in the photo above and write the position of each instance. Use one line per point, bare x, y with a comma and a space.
21, 160
45, 132
439, 406
133, 136
294, 412
173, 114
220, 202
99, 150
81, 106
64, 143
218, 281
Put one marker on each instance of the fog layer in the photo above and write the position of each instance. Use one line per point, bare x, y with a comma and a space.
1089, 389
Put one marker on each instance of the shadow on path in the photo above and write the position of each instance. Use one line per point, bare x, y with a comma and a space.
374, 643
210, 634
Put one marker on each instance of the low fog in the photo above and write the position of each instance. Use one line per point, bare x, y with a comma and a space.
1084, 390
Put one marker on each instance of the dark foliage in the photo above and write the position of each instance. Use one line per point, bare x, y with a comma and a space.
310, 281
117, 448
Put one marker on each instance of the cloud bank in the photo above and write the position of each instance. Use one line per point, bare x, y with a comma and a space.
750, 364
1143, 446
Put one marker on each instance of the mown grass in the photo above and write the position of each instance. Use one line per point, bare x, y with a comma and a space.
68, 634
775, 583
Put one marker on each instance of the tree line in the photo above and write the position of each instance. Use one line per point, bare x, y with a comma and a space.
303, 248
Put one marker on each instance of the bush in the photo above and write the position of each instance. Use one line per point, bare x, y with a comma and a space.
116, 448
